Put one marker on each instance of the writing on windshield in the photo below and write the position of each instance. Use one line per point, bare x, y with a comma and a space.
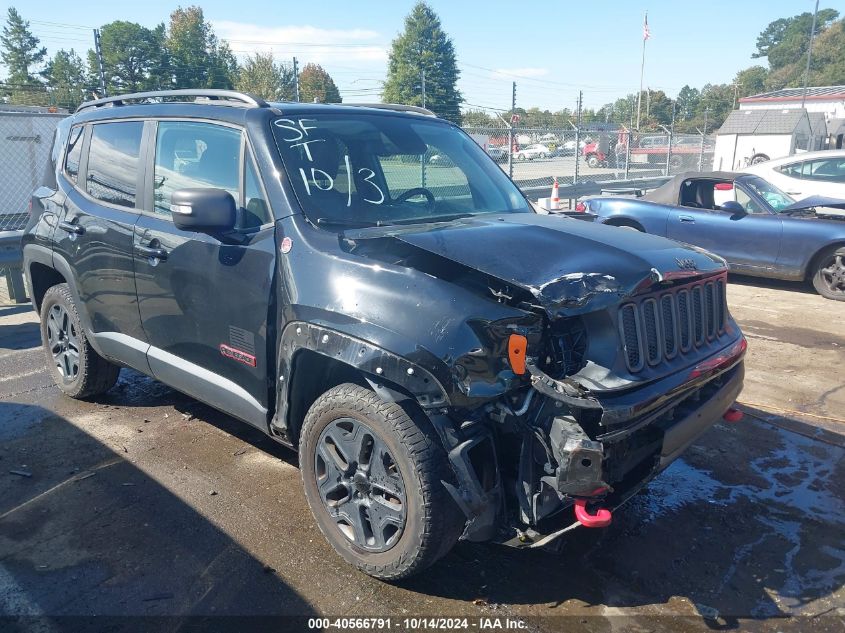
297, 133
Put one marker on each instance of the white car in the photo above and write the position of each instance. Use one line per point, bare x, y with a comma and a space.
538, 150
808, 174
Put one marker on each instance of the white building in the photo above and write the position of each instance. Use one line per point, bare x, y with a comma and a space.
826, 100
748, 137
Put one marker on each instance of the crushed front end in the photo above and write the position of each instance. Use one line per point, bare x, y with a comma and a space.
603, 400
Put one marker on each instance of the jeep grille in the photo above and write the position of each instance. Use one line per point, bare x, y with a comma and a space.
683, 320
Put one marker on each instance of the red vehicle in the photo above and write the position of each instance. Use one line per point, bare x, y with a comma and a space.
652, 151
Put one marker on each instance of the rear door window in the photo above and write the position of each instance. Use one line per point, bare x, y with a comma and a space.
113, 161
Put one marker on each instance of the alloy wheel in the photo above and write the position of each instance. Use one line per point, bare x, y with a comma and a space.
833, 273
64, 342
360, 485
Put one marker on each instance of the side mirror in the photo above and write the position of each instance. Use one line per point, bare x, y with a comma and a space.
203, 210
734, 208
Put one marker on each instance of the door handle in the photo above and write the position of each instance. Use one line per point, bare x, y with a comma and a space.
74, 229
151, 252
687, 218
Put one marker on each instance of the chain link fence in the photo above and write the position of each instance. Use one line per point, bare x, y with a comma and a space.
25, 145
602, 154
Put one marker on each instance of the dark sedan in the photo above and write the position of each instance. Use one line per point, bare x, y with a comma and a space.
757, 228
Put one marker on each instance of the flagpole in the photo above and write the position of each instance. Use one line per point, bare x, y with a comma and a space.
642, 72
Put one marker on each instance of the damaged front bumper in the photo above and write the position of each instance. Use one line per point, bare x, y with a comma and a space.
565, 461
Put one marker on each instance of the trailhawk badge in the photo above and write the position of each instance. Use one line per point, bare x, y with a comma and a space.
687, 263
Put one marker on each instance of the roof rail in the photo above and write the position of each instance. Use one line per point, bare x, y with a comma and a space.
393, 106
242, 98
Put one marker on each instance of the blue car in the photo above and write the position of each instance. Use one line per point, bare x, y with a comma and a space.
758, 229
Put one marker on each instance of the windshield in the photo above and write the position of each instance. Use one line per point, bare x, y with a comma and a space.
776, 198
353, 169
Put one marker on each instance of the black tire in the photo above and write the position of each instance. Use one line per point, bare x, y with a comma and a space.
431, 522
76, 368
593, 161
829, 274
758, 158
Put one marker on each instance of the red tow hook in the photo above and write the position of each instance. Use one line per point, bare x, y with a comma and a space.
600, 519
732, 415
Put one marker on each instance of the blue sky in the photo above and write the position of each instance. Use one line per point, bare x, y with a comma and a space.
551, 49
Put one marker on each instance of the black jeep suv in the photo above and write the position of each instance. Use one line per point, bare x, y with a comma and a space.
448, 363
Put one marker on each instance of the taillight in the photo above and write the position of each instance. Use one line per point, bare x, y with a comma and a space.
581, 207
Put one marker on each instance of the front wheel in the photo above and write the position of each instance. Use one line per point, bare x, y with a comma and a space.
758, 158
829, 277
76, 368
593, 160
372, 475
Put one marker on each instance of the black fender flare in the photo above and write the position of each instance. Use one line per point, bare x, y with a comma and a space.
380, 368
36, 253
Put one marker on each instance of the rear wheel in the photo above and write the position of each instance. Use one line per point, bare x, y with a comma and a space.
758, 158
372, 477
593, 160
829, 277
76, 368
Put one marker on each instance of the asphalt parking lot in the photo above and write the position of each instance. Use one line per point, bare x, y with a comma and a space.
145, 502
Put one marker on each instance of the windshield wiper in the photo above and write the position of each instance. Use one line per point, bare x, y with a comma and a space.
349, 224
435, 219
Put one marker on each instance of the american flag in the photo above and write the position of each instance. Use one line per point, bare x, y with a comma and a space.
646, 32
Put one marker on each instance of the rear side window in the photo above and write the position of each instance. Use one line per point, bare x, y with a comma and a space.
793, 170
74, 153
113, 160
827, 170
193, 155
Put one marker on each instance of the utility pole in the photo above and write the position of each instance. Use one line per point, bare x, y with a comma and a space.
422, 73
646, 35
99, 52
671, 132
295, 79
809, 55
736, 91
510, 130
577, 138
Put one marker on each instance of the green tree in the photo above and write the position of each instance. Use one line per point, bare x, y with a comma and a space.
785, 40
22, 54
828, 60
423, 46
660, 108
688, 100
134, 58
751, 81
315, 84
197, 58
479, 118
262, 76
66, 81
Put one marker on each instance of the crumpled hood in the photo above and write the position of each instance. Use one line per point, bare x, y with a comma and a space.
567, 265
